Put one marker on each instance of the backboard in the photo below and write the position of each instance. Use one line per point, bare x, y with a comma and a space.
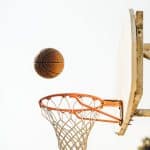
131, 66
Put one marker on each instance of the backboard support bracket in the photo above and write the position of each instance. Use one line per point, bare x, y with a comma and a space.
146, 50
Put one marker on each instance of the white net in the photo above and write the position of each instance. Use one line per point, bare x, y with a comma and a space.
72, 127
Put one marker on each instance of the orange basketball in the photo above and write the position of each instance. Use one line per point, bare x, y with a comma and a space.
49, 63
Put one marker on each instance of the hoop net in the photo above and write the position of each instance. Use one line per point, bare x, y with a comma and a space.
73, 115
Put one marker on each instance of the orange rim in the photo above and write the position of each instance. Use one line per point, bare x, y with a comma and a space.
104, 103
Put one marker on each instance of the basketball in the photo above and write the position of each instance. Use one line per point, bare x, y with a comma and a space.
49, 63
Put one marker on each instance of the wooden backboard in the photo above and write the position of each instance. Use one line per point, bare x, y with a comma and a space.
136, 86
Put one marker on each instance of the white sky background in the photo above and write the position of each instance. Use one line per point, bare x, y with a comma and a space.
88, 34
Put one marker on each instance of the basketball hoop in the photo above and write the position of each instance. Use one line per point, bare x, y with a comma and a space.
73, 115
